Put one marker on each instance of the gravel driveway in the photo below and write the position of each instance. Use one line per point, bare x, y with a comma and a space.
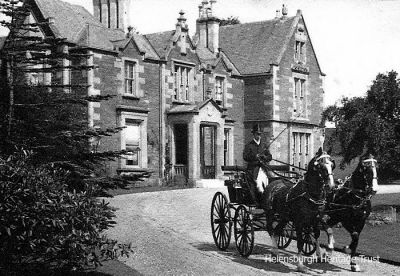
171, 235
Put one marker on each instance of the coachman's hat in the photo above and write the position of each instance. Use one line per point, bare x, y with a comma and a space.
256, 129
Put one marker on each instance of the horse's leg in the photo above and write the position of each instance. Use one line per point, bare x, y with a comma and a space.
300, 242
325, 257
272, 235
352, 248
331, 242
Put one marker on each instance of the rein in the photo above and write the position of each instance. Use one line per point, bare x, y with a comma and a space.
354, 192
305, 195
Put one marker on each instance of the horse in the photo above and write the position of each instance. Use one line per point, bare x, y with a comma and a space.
350, 204
302, 203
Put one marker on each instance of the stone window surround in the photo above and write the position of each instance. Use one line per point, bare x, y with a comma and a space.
305, 94
305, 132
136, 77
300, 58
231, 143
141, 118
192, 66
224, 87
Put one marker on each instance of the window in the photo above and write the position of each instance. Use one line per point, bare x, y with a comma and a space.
307, 144
182, 83
132, 142
300, 51
299, 87
219, 90
227, 144
130, 81
299, 102
301, 149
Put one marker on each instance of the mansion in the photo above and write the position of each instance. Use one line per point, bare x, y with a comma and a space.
188, 104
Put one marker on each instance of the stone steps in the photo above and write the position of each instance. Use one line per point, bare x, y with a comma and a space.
209, 183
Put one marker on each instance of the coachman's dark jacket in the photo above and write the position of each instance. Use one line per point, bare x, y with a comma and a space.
250, 156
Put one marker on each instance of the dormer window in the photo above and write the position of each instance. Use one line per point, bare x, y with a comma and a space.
130, 74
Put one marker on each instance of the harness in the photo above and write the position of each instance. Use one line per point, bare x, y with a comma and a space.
350, 190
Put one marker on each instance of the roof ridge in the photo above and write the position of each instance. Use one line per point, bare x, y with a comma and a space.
157, 33
258, 22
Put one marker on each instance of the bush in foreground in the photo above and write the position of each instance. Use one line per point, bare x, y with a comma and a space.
46, 227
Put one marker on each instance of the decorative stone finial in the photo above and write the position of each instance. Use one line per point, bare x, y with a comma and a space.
182, 18
131, 29
284, 11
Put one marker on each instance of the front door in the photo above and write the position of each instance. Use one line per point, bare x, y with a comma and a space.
207, 151
181, 149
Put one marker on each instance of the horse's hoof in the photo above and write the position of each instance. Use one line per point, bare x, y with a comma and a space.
355, 268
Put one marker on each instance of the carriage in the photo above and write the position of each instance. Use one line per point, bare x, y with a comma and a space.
242, 212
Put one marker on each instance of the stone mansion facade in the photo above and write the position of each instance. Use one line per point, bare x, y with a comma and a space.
188, 103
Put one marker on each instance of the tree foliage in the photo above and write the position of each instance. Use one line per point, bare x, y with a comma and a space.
44, 225
49, 165
371, 123
231, 20
42, 112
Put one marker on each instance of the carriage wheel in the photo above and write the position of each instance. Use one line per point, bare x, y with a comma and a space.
244, 231
221, 223
285, 236
309, 245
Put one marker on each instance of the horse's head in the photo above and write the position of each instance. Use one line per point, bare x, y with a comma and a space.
366, 177
321, 168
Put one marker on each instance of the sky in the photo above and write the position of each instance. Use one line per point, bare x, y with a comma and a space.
354, 40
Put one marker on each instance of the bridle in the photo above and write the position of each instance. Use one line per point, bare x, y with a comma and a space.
326, 161
319, 161
364, 195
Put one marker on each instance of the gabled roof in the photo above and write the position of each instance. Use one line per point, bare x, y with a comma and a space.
161, 41
77, 25
142, 44
193, 108
252, 47
227, 63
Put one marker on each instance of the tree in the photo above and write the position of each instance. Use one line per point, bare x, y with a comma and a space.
371, 123
49, 176
44, 107
231, 20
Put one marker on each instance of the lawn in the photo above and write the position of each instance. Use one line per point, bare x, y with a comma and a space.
382, 240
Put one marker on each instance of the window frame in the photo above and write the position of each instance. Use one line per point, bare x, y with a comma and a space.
135, 86
183, 81
222, 80
300, 51
228, 148
141, 120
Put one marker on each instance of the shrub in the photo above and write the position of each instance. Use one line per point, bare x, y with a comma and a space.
43, 225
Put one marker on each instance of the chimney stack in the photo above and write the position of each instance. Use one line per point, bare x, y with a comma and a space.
110, 12
207, 26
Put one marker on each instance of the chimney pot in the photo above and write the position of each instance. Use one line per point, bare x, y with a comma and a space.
277, 14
